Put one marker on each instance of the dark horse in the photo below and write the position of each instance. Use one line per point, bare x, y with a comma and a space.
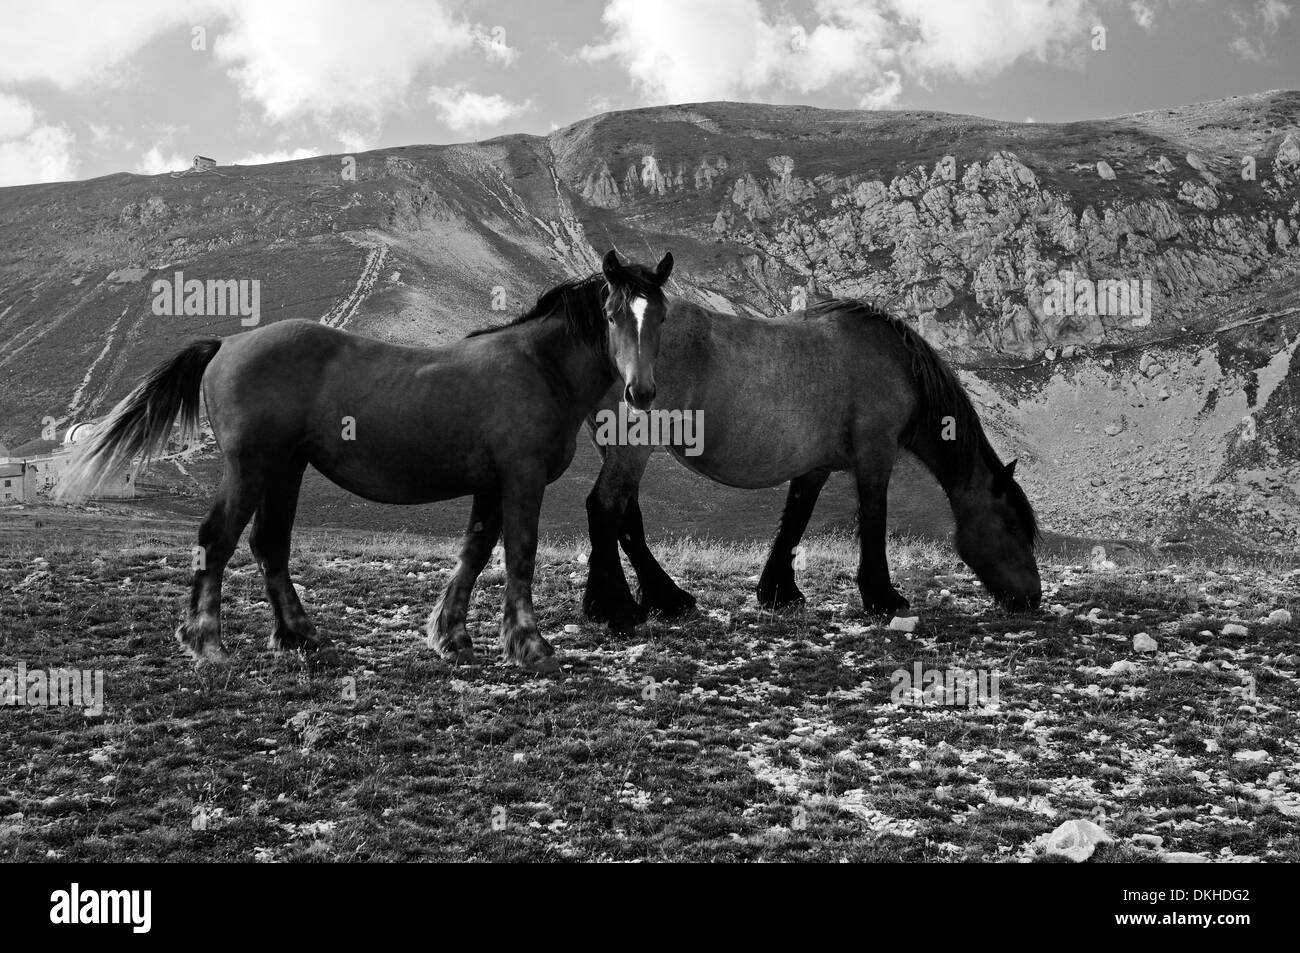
495, 416
840, 386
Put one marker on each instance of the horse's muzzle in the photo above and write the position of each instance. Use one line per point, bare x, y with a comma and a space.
639, 398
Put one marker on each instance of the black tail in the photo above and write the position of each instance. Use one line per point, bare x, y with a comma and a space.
141, 423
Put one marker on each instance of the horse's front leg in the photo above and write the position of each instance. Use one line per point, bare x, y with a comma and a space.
521, 642
607, 597
448, 635
659, 593
875, 462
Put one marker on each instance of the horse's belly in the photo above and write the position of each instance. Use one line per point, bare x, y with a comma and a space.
760, 454
402, 475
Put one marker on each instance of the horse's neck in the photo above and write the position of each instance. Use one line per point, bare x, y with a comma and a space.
969, 488
584, 368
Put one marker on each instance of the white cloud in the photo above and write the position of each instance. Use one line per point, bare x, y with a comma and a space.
1144, 13
1262, 23
684, 51
299, 58
42, 154
1272, 13
277, 155
462, 109
886, 94
292, 58
975, 39
72, 43
155, 161
353, 140
17, 116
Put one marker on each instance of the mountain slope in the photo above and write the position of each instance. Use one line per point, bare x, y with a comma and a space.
962, 224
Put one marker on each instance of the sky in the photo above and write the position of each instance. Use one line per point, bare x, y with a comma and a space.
91, 88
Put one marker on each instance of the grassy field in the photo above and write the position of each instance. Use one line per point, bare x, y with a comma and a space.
732, 735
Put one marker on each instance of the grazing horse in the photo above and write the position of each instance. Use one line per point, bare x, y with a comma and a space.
840, 386
495, 416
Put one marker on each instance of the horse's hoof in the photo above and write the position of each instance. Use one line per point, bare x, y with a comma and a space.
284, 639
455, 655
209, 653
781, 600
547, 665
535, 655
669, 604
615, 612
202, 649
885, 605
457, 649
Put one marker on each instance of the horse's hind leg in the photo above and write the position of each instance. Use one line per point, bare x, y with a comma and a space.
658, 591
269, 540
776, 586
237, 497
448, 635
875, 462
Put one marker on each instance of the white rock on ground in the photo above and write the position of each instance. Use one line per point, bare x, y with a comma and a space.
1184, 857
1279, 617
1232, 628
906, 623
1144, 643
1076, 839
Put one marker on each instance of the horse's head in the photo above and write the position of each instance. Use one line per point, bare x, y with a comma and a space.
996, 539
635, 308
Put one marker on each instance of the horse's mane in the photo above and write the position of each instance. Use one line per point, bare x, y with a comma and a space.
941, 395
580, 301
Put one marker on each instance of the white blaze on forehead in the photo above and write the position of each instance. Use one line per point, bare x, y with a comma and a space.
638, 306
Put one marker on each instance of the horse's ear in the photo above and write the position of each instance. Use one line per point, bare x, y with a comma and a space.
664, 268
1004, 476
611, 267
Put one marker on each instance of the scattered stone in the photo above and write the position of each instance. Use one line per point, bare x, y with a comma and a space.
1098, 561
1233, 628
1076, 839
572, 629
1279, 617
1113, 430
1184, 857
1105, 171
1144, 643
1154, 841
904, 623
1253, 757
